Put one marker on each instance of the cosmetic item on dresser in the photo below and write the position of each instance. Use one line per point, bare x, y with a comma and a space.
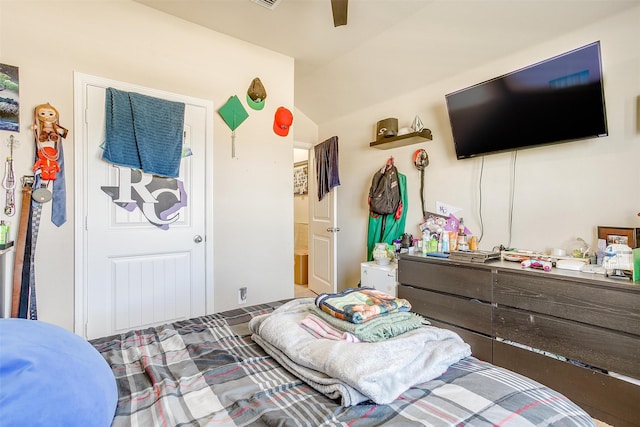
380, 254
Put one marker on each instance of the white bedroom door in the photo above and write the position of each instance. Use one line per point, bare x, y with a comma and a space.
143, 267
323, 235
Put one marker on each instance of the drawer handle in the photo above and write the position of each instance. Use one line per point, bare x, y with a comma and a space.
476, 300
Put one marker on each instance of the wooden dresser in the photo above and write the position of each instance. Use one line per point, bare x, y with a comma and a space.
511, 316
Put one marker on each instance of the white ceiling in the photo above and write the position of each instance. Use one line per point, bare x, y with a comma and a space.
388, 47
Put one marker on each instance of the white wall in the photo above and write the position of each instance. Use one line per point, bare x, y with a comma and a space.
305, 131
561, 192
126, 41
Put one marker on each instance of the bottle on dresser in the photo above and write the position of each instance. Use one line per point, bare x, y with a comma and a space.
463, 242
425, 242
444, 237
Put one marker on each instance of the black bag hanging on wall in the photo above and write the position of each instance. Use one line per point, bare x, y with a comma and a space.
384, 194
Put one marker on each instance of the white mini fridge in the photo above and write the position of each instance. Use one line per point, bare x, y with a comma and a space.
381, 277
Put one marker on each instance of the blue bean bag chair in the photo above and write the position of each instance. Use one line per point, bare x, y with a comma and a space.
52, 377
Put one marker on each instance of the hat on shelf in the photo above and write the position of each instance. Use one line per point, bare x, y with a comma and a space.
387, 128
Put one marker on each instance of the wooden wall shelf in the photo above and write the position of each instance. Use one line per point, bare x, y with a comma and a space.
402, 140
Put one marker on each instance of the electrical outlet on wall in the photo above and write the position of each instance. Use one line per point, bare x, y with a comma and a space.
242, 295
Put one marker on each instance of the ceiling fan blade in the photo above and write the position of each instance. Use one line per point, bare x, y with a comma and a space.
339, 9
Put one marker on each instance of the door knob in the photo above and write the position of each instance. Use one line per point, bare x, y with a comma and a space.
197, 238
333, 230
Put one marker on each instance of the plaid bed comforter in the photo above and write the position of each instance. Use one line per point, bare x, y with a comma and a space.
207, 371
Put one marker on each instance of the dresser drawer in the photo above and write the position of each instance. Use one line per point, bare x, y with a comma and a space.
464, 312
453, 279
606, 398
595, 346
612, 308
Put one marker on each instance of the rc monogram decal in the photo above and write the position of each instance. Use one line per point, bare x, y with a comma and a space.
158, 198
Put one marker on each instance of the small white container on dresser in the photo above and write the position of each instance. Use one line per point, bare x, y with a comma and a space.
381, 277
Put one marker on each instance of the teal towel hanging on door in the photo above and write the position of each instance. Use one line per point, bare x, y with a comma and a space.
143, 132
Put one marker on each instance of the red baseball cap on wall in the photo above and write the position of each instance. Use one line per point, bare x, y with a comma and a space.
282, 121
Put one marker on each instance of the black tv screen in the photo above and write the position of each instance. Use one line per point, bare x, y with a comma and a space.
556, 100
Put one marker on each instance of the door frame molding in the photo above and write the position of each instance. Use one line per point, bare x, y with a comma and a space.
81, 82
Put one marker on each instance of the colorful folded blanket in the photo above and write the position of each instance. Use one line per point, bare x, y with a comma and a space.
358, 305
377, 329
321, 329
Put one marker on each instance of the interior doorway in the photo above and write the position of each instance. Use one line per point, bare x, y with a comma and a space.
130, 272
301, 222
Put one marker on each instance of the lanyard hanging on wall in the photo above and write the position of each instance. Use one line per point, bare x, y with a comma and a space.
421, 161
9, 181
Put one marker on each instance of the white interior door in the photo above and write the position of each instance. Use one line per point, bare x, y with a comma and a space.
323, 235
142, 268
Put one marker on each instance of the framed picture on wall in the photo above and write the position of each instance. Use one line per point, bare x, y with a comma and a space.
9, 98
300, 173
620, 235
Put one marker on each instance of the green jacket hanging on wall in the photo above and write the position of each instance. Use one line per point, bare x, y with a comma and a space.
386, 228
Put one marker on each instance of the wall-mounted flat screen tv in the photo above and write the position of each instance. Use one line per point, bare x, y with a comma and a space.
557, 100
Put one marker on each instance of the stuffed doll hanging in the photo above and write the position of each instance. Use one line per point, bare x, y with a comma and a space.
47, 163
47, 129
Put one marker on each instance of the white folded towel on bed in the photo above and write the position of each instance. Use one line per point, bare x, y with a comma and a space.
356, 372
